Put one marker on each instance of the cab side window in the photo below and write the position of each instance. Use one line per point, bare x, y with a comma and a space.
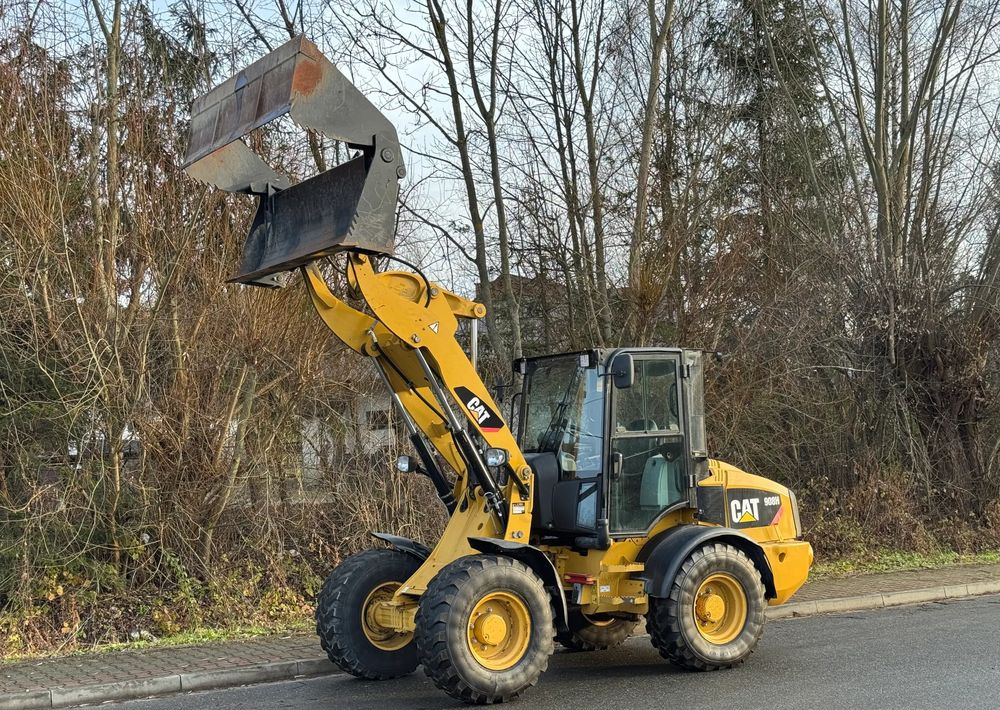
649, 445
651, 403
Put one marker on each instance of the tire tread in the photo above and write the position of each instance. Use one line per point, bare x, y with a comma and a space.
332, 623
662, 620
433, 629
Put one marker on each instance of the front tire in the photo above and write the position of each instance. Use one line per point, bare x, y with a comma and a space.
714, 614
484, 629
348, 632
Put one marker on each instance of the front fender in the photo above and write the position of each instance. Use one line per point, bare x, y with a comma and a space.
664, 554
404, 544
538, 562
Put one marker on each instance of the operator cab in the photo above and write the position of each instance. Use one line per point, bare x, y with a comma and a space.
615, 438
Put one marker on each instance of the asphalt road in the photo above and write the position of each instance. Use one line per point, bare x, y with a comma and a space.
944, 655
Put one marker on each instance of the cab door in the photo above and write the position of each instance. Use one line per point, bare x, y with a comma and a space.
648, 462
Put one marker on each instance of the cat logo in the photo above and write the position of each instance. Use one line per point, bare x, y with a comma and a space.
435, 326
753, 507
744, 510
485, 417
478, 409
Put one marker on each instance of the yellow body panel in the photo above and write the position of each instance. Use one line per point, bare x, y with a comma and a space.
790, 561
790, 558
403, 319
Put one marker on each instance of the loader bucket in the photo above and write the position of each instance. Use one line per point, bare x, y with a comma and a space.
351, 206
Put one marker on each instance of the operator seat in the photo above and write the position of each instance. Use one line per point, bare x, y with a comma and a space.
662, 474
660, 485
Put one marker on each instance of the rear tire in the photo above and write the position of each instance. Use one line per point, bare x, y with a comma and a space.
714, 615
596, 633
484, 629
346, 632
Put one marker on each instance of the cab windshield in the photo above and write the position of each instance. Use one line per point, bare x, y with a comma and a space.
564, 414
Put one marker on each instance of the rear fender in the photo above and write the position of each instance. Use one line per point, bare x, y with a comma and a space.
539, 563
664, 554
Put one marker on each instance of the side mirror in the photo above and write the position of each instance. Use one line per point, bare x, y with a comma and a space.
499, 390
623, 371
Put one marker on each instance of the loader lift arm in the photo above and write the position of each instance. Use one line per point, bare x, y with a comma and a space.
411, 340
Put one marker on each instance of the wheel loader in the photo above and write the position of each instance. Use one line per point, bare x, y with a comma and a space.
601, 509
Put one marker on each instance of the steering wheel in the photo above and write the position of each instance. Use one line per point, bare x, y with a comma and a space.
671, 450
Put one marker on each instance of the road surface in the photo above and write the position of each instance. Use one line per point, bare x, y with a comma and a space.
944, 655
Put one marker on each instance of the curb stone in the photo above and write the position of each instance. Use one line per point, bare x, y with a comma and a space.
268, 672
288, 670
28, 700
122, 690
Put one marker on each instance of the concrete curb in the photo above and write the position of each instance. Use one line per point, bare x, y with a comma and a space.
288, 670
882, 600
165, 685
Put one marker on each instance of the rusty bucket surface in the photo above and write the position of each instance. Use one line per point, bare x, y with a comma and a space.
350, 206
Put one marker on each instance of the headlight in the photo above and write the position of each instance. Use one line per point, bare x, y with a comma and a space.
406, 464
496, 457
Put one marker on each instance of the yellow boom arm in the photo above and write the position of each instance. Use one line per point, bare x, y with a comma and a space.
410, 337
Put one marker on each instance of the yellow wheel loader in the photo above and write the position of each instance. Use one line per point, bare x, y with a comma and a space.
603, 508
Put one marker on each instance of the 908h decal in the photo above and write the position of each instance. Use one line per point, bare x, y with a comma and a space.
752, 508
480, 411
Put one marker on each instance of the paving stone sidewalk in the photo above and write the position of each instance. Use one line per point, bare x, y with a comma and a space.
890, 582
93, 678
155, 662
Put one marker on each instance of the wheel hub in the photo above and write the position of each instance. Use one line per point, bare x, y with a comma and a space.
600, 620
710, 607
373, 625
490, 629
499, 630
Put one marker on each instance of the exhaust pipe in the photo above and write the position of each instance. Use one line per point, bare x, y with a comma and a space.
352, 206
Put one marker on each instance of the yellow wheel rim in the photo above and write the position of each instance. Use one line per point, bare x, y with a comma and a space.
720, 609
499, 630
382, 637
